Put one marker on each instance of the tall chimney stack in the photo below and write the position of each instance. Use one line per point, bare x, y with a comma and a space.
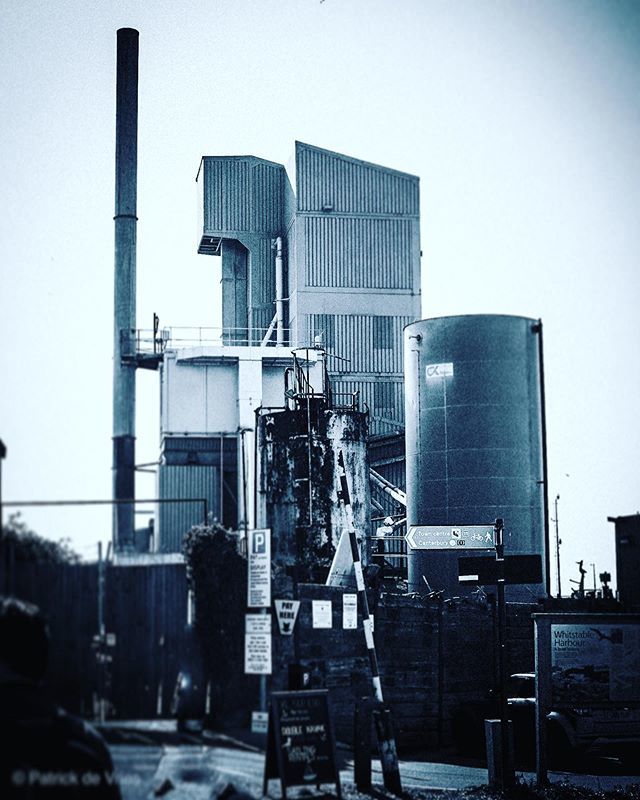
124, 363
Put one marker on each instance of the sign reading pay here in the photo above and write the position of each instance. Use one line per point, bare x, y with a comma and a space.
287, 613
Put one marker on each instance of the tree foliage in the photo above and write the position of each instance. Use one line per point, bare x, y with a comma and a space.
27, 545
217, 576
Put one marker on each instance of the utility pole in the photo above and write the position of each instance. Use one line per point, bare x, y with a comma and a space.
593, 567
102, 650
3, 455
558, 543
507, 775
4, 558
244, 522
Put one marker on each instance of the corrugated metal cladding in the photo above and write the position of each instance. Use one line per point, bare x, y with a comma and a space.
242, 194
196, 468
176, 519
351, 186
227, 194
261, 319
383, 398
263, 274
384, 449
369, 343
360, 253
268, 197
180, 450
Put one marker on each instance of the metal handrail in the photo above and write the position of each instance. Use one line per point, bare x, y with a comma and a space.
353, 397
148, 341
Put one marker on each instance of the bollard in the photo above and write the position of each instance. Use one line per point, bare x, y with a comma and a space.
499, 763
362, 745
387, 750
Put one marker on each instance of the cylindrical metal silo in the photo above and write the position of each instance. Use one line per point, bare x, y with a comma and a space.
299, 481
474, 438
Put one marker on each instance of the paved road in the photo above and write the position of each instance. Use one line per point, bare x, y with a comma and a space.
196, 771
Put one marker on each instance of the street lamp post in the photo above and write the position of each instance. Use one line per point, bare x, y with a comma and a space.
558, 542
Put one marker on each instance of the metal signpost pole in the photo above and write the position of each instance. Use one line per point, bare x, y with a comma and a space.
263, 682
259, 597
499, 571
507, 777
542, 644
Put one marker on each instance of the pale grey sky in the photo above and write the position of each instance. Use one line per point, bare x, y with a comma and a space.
522, 120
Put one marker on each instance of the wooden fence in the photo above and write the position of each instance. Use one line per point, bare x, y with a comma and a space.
145, 613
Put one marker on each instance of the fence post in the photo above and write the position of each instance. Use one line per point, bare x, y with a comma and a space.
362, 745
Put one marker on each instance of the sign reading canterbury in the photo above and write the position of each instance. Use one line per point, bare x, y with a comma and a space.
450, 537
259, 568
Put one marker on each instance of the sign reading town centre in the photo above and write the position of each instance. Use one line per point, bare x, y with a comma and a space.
448, 537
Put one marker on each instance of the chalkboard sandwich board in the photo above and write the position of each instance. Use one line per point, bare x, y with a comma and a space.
300, 744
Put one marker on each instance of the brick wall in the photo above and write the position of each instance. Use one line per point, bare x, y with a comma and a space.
433, 657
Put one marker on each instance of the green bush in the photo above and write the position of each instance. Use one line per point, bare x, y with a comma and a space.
217, 576
29, 546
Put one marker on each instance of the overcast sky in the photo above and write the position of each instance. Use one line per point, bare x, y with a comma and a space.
522, 120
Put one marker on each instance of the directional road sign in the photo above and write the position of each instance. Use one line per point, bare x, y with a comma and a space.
512, 569
450, 537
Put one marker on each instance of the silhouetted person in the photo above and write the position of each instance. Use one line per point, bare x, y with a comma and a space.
45, 751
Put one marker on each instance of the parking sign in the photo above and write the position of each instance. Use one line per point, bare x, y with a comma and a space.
259, 568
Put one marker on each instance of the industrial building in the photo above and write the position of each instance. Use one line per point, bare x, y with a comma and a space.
320, 274
320, 372
327, 258
320, 299
348, 234
208, 398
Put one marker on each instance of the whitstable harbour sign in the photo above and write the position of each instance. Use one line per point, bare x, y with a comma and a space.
596, 662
